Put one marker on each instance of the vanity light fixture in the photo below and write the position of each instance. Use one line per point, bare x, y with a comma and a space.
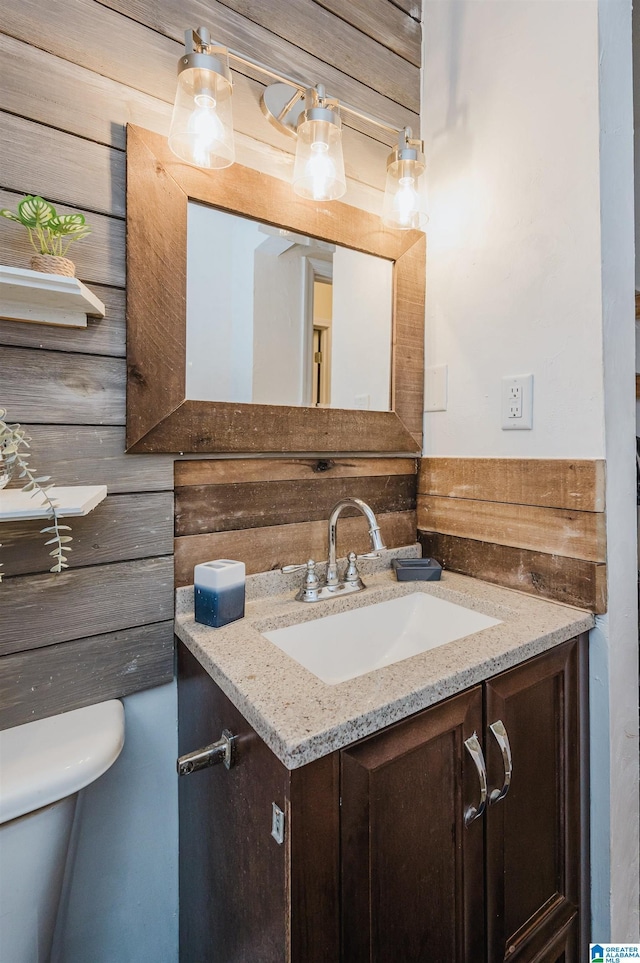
202, 130
314, 120
403, 205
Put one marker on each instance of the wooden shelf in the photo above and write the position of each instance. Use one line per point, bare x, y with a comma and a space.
73, 500
46, 298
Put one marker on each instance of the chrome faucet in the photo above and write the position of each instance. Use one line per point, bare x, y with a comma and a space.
313, 590
374, 534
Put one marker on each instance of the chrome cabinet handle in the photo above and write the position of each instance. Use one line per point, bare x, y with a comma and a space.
473, 747
500, 732
224, 750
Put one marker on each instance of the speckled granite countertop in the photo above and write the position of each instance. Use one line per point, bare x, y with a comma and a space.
301, 718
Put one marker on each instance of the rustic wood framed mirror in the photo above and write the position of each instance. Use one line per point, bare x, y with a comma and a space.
160, 415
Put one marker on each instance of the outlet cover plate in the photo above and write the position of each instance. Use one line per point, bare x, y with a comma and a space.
517, 403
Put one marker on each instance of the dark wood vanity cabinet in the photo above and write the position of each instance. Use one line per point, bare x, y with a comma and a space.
378, 862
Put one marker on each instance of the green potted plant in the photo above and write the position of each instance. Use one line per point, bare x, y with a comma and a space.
50, 233
13, 439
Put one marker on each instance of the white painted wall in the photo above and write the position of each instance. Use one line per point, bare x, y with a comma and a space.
511, 130
361, 332
279, 340
219, 304
528, 131
123, 895
616, 638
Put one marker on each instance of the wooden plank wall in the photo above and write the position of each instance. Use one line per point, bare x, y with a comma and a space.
73, 73
531, 524
274, 512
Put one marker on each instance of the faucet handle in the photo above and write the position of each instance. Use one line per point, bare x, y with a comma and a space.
311, 581
352, 575
311, 584
287, 569
370, 555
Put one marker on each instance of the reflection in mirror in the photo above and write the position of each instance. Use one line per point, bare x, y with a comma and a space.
274, 317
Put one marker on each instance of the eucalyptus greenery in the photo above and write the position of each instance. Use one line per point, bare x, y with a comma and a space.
49, 232
13, 439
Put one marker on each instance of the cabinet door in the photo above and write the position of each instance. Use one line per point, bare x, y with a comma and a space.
534, 834
412, 871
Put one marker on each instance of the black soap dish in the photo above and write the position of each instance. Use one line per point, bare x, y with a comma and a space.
417, 569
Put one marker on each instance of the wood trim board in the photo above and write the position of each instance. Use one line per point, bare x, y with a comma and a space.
215, 508
570, 581
574, 484
227, 471
558, 531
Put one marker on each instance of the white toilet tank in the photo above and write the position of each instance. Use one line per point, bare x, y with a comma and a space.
43, 765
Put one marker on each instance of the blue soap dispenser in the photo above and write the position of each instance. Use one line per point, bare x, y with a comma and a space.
218, 590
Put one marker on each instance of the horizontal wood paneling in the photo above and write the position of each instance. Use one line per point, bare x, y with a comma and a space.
102, 260
86, 455
110, 106
218, 508
567, 580
122, 48
52, 387
121, 527
552, 483
107, 106
106, 336
73, 74
263, 549
537, 525
86, 174
227, 471
47, 609
335, 41
58, 678
312, 47
553, 530
412, 7
382, 21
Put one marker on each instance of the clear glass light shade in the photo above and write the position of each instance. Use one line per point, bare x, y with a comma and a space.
404, 206
318, 172
202, 124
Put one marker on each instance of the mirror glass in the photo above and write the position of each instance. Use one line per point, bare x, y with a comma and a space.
274, 317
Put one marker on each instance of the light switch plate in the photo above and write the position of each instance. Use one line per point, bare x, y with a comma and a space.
435, 387
517, 402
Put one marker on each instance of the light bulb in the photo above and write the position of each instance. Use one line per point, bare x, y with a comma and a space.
406, 202
320, 169
206, 129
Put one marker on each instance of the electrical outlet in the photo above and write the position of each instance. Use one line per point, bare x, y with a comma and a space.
517, 402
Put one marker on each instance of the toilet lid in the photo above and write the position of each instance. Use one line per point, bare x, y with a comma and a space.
46, 760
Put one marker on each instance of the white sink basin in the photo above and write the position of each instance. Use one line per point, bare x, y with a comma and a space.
340, 647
